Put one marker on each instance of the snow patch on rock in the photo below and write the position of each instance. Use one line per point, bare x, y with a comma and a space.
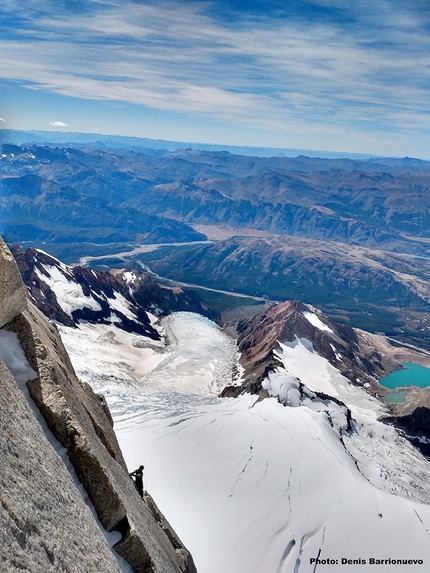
316, 321
122, 305
70, 295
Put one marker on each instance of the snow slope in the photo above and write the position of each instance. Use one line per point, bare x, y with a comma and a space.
267, 488
69, 293
253, 486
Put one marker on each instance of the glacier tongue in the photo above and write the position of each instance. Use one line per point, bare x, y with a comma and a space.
253, 486
193, 362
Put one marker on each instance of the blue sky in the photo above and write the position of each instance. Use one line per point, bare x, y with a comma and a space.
334, 75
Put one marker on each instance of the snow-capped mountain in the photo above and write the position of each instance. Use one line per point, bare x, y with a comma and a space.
361, 357
295, 477
70, 295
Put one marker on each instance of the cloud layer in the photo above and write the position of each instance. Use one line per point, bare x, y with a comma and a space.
324, 66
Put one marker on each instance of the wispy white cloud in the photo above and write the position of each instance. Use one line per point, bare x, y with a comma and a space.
366, 66
1, 119
58, 124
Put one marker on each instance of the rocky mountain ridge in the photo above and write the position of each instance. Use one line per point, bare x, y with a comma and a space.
33, 477
361, 357
122, 195
71, 294
354, 353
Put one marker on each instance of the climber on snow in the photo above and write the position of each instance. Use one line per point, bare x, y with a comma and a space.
138, 479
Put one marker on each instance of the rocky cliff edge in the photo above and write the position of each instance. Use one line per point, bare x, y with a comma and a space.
33, 491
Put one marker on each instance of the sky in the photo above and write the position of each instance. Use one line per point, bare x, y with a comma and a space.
330, 75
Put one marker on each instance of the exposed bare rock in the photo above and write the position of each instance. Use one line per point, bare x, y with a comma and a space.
187, 564
13, 294
78, 420
415, 426
351, 351
81, 422
44, 524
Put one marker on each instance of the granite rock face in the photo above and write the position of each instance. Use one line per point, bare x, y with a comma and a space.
81, 422
44, 524
13, 294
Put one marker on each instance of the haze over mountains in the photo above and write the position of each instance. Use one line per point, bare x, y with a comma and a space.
349, 235
126, 143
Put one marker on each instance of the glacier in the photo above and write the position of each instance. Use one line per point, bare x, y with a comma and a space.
251, 485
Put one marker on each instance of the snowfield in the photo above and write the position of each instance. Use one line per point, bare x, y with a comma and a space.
255, 486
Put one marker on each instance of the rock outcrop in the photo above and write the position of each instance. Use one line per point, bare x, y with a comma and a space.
13, 294
354, 353
44, 524
415, 427
81, 422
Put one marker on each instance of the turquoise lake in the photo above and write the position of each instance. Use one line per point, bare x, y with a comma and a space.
412, 375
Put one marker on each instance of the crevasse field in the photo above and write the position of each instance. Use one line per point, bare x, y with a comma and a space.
253, 486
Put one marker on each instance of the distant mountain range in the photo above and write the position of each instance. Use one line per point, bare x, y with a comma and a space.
350, 235
20, 137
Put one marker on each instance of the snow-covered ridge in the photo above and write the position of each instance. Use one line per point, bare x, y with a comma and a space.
71, 295
77, 295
